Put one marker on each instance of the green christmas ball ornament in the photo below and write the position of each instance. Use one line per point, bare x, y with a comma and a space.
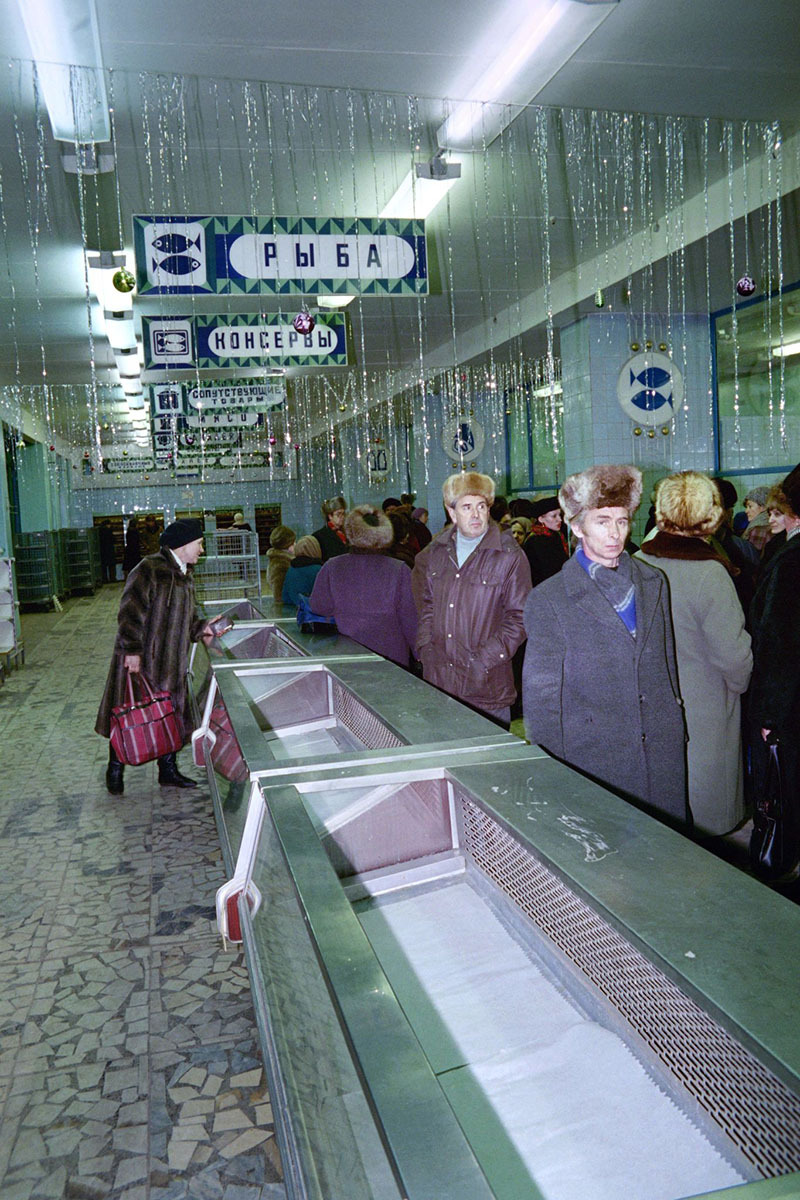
123, 280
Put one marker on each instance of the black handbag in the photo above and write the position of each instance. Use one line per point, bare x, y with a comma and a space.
774, 842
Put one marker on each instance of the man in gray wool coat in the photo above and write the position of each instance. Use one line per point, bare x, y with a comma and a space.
600, 681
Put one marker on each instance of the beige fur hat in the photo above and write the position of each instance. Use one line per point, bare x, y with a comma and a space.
467, 483
688, 503
607, 486
368, 530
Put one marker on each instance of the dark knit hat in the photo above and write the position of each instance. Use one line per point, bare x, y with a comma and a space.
180, 533
545, 505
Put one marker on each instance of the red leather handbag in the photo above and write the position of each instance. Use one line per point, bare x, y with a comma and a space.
145, 728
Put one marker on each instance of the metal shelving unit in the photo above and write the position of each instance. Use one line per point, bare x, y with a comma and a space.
230, 569
80, 549
12, 653
40, 569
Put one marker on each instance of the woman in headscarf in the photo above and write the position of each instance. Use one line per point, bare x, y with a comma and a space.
711, 643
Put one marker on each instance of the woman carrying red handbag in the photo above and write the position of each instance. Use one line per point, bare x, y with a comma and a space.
157, 622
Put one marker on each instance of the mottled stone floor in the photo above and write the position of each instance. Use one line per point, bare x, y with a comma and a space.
129, 1059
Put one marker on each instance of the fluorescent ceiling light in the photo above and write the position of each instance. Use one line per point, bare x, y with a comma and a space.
341, 301
786, 349
120, 332
418, 195
547, 390
524, 55
65, 45
102, 268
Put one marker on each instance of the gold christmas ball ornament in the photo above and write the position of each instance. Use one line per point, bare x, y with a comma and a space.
473, 464
651, 433
342, 408
634, 346
662, 347
648, 345
665, 430
637, 431
123, 280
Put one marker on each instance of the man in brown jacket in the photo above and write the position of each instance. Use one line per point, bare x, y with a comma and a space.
470, 585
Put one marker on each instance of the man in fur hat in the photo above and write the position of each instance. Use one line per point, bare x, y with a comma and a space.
600, 683
470, 585
157, 622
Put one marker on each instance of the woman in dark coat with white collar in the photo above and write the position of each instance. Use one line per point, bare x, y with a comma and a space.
600, 683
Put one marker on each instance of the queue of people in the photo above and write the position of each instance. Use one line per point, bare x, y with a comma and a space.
662, 672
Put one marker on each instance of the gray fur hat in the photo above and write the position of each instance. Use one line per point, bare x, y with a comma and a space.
368, 530
606, 486
758, 495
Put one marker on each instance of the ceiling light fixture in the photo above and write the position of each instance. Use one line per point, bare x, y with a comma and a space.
786, 349
523, 57
65, 45
333, 301
424, 188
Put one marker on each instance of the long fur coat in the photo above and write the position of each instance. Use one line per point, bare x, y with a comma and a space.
158, 621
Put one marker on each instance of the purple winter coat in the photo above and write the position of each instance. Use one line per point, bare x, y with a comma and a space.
369, 596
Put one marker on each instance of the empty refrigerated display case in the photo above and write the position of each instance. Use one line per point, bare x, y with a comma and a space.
494, 978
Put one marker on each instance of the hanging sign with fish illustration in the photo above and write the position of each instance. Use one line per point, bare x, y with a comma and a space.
280, 255
241, 340
650, 388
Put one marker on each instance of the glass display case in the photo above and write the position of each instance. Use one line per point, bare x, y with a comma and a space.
487, 976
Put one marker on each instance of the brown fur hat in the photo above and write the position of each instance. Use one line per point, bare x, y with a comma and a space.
467, 483
607, 486
333, 505
688, 503
282, 537
368, 530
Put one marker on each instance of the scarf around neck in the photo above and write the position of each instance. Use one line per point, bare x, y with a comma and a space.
616, 584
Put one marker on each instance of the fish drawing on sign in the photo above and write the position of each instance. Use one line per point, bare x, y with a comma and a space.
176, 264
652, 379
175, 243
464, 441
171, 343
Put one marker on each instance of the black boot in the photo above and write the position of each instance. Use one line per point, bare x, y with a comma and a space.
170, 776
114, 772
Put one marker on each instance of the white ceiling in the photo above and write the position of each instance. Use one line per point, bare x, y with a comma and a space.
734, 61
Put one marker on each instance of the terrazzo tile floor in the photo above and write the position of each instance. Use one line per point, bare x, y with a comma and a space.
129, 1059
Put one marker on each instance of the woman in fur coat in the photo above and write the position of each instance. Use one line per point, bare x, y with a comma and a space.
600, 682
711, 643
157, 622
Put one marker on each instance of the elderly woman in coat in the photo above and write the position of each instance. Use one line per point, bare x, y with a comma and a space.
366, 592
156, 623
600, 681
712, 646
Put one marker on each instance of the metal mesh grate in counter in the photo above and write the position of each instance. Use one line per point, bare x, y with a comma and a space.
756, 1111
360, 720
